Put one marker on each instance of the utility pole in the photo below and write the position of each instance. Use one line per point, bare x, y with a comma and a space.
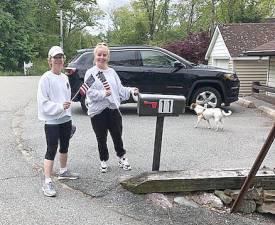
61, 29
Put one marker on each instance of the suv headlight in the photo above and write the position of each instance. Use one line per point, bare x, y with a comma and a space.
230, 76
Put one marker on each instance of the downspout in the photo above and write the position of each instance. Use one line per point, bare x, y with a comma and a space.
268, 74
268, 70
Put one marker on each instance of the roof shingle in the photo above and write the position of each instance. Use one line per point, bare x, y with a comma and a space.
243, 37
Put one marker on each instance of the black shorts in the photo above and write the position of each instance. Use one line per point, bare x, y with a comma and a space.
57, 133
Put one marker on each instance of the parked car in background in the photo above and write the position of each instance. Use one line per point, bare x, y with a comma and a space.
157, 71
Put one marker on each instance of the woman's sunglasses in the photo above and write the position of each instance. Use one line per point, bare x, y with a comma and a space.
102, 43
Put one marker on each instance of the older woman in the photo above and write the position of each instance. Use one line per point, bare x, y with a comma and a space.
54, 108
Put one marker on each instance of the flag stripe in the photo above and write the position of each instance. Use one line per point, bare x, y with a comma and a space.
86, 85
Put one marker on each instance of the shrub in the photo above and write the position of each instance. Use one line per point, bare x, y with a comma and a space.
192, 48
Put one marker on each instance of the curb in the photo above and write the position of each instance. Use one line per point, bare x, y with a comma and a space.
268, 111
246, 103
249, 104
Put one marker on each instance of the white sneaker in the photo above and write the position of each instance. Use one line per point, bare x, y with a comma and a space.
48, 189
103, 167
123, 163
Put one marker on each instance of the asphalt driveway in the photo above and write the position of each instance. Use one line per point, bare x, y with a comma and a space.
98, 198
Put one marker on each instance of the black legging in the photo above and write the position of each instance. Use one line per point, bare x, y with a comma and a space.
108, 119
55, 132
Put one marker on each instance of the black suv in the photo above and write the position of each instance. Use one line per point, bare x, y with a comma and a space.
157, 71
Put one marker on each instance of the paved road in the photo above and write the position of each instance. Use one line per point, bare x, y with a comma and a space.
98, 198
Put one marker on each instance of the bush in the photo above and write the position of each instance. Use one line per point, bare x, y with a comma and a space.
192, 48
39, 67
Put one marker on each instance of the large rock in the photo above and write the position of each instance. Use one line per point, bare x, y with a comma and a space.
251, 194
184, 201
208, 200
225, 198
160, 200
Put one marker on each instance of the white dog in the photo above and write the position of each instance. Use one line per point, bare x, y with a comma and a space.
207, 113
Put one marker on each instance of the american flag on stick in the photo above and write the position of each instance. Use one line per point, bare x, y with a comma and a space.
103, 80
100, 75
85, 86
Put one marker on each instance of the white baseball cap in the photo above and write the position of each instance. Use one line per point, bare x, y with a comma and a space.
55, 50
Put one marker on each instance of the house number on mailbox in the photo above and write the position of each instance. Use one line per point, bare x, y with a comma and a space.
166, 105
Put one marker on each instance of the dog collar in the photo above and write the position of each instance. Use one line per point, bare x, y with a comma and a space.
201, 114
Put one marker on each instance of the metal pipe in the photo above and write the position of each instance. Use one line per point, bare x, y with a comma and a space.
158, 141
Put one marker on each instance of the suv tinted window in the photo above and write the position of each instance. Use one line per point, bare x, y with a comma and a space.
123, 58
86, 59
75, 57
155, 59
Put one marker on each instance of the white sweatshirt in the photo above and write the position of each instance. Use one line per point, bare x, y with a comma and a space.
95, 96
53, 91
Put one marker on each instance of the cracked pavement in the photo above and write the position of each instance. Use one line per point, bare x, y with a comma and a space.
96, 198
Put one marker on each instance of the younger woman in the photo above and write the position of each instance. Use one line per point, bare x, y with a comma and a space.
104, 97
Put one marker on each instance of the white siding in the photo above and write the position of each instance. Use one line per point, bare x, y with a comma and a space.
248, 71
221, 63
219, 56
220, 50
230, 65
210, 62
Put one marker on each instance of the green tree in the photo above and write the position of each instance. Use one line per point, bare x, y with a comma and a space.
15, 44
77, 15
142, 22
244, 11
30, 27
128, 26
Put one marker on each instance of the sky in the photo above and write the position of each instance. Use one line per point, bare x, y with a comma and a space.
107, 6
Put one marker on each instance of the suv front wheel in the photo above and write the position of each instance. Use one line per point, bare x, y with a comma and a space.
208, 97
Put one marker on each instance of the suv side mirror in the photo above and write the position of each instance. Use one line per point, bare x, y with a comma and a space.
178, 64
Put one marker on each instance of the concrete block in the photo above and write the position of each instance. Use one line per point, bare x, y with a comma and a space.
246, 103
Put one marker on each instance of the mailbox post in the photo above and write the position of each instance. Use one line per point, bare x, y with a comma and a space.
160, 106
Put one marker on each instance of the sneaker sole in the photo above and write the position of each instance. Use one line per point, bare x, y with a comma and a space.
126, 168
48, 195
67, 178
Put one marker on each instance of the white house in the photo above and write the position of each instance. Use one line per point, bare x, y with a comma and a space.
229, 44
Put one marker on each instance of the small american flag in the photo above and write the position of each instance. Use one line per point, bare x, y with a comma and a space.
86, 85
103, 80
